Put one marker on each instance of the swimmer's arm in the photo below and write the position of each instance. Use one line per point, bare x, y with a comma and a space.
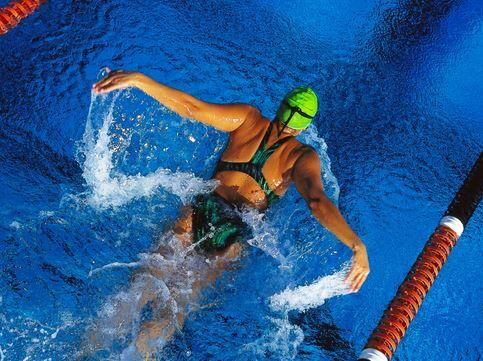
225, 117
307, 179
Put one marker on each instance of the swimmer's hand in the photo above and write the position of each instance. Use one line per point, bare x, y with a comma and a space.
116, 80
359, 269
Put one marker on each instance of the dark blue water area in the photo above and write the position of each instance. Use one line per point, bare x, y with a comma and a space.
400, 86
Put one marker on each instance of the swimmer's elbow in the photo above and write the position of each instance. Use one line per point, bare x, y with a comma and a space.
199, 110
192, 110
320, 207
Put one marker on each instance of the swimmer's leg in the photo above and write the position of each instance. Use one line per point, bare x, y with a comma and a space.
156, 332
167, 248
121, 311
144, 288
183, 228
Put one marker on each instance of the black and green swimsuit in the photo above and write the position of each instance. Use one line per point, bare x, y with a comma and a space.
216, 223
255, 165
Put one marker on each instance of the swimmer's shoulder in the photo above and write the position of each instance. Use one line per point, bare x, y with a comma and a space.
300, 149
254, 120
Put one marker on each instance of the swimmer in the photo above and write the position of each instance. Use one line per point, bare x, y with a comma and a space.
261, 160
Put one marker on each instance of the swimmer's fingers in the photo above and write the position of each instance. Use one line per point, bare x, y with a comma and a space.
350, 276
360, 267
358, 281
109, 76
113, 85
113, 76
115, 80
106, 78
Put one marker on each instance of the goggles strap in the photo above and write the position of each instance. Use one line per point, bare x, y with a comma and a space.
296, 109
292, 112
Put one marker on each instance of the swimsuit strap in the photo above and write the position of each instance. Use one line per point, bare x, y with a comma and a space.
261, 155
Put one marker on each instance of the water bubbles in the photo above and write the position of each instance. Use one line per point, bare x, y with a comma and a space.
15, 225
38, 336
103, 73
109, 187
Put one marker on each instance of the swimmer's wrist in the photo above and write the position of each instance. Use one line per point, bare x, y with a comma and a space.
137, 79
356, 245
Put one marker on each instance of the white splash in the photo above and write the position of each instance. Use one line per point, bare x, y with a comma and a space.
164, 283
264, 236
310, 136
114, 265
54, 335
315, 294
284, 338
15, 225
110, 188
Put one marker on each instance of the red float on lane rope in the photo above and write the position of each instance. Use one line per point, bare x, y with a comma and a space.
403, 308
12, 14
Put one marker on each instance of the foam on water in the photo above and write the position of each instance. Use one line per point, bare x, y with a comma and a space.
164, 285
264, 235
110, 188
284, 338
311, 137
39, 337
315, 294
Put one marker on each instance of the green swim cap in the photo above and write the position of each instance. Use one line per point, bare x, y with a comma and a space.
298, 108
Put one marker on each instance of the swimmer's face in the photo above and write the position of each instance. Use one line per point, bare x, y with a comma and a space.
287, 130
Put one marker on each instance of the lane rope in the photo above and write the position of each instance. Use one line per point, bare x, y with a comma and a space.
12, 14
410, 295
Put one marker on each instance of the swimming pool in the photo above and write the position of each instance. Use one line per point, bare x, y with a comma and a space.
95, 181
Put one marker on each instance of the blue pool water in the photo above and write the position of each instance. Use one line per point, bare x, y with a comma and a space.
89, 184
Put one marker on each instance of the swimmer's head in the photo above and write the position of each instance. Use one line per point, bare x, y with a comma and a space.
298, 108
